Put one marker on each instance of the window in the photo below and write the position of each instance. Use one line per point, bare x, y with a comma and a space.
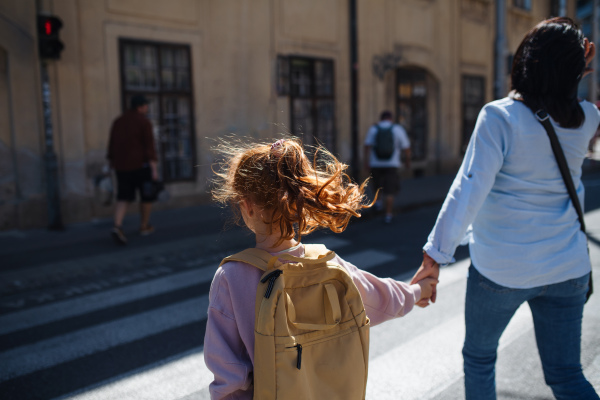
162, 73
523, 4
310, 85
411, 108
283, 76
473, 99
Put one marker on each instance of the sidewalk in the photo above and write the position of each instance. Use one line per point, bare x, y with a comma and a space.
177, 228
23, 248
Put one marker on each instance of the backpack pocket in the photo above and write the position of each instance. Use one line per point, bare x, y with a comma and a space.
327, 367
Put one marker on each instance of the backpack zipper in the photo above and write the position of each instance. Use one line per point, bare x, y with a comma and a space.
298, 348
299, 362
271, 277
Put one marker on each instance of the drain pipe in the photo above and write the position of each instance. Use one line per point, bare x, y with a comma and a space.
562, 8
500, 70
354, 164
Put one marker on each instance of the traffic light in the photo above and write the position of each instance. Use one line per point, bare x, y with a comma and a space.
49, 42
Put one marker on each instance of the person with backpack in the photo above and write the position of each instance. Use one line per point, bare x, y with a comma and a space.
288, 320
383, 144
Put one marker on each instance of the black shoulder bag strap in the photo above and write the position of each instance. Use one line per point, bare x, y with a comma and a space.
542, 116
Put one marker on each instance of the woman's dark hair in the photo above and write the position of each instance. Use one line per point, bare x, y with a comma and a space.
547, 68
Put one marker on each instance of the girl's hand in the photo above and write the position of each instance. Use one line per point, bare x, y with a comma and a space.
590, 53
427, 289
428, 269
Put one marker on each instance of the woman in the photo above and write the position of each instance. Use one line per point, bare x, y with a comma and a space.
525, 238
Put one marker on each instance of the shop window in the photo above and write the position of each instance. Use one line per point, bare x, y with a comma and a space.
411, 108
473, 99
162, 73
309, 82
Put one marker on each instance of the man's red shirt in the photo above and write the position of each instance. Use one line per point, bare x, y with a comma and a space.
131, 143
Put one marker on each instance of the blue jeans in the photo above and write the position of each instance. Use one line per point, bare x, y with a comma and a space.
557, 313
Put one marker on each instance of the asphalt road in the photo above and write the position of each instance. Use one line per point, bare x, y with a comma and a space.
83, 319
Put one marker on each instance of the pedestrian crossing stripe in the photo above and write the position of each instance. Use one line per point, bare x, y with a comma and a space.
98, 337
185, 375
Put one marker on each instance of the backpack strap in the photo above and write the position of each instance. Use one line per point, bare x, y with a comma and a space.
313, 254
258, 258
382, 129
316, 251
263, 260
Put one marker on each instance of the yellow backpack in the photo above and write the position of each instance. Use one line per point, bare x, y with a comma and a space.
311, 330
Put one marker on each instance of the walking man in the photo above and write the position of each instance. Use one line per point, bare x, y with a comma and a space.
383, 145
132, 155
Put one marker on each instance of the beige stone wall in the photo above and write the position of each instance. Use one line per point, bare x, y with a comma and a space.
426, 35
234, 46
21, 184
326, 36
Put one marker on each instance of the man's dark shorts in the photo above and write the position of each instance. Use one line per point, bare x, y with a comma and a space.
130, 182
388, 179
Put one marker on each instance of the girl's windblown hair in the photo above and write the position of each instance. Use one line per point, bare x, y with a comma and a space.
295, 192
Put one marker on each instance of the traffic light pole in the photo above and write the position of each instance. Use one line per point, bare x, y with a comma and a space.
50, 159
354, 163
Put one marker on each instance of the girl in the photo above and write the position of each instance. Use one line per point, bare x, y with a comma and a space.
282, 196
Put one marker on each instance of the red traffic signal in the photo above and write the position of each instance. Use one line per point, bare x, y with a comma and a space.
50, 45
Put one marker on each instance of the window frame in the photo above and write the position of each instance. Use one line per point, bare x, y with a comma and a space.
314, 98
160, 93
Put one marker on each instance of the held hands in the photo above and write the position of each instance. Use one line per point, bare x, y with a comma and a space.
427, 275
427, 290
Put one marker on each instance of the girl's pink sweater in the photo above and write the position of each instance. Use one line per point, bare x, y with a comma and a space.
229, 339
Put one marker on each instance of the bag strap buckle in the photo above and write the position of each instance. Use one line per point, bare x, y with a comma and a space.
541, 115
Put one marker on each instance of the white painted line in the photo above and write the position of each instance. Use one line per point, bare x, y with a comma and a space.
437, 352
46, 353
84, 304
368, 259
333, 242
187, 375
168, 380
420, 368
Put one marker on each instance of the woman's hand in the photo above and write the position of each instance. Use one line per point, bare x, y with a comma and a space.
590, 53
429, 269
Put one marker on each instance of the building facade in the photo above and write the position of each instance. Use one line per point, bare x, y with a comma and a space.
251, 68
